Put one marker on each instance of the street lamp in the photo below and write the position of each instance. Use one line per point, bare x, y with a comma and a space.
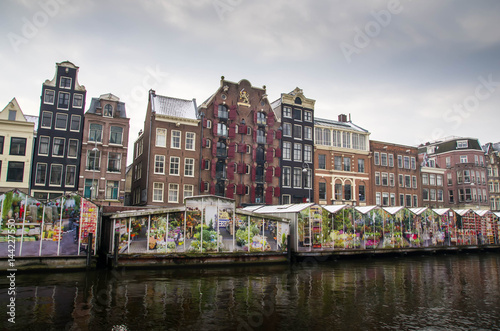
306, 170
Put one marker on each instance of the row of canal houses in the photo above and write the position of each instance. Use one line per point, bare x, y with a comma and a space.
236, 144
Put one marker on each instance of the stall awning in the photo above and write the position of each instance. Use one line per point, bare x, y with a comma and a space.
365, 209
441, 211
393, 210
418, 211
334, 208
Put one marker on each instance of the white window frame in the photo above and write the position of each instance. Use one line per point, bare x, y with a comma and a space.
158, 158
170, 168
186, 172
158, 134
193, 139
173, 187
158, 191
188, 188
174, 138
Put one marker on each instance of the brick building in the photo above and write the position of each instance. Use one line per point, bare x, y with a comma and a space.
395, 177
104, 151
432, 188
296, 114
465, 176
166, 153
341, 162
240, 145
493, 164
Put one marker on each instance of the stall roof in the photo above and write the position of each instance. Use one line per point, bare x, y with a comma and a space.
441, 211
145, 212
365, 209
481, 212
334, 208
418, 211
293, 208
462, 212
251, 208
497, 213
393, 210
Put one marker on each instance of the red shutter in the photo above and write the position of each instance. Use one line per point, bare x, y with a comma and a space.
269, 175
232, 113
270, 137
255, 135
270, 119
214, 127
204, 122
269, 155
231, 132
240, 189
212, 169
202, 186
241, 148
253, 170
278, 134
269, 195
255, 117
212, 188
230, 171
240, 168
216, 110
252, 194
231, 150
278, 152
203, 164
277, 172
254, 153
242, 128
230, 191
214, 148
203, 143
277, 192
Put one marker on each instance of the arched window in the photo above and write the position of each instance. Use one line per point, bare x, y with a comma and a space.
223, 111
298, 101
221, 130
220, 171
260, 154
261, 136
221, 149
259, 174
261, 118
108, 110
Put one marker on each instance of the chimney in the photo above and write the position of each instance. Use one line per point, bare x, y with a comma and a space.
342, 118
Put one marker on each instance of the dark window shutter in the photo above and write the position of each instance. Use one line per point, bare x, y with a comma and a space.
255, 117
214, 148
214, 127
231, 132
270, 119
254, 135
277, 192
269, 155
240, 189
212, 188
241, 148
203, 164
254, 153
252, 194
277, 172
241, 168
232, 113
253, 173
269, 195
202, 186
231, 150
216, 110
278, 152
269, 175
278, 134
203, 143
230, 191
204, 122
213, 168
242, 128
230, 171
270, 137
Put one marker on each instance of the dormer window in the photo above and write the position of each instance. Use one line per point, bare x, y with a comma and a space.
108, 111
462, 144
298, 101
65, 82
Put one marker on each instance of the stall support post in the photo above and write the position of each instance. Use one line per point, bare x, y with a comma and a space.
89, 249
115, 250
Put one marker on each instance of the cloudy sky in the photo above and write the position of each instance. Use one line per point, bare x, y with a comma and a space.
407, 71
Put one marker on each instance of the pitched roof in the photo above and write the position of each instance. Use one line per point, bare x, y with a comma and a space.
174, 107
96, 103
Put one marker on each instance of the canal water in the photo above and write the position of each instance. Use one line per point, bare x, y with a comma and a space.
441, 292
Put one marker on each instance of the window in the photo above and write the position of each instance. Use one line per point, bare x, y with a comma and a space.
287, 112
377, 198
138, 171
188, 190
415, 200
158, 192
347, 192
161, 137
321, 161
307, 116
362, 196
391, 160
376, 158
338, 191
476, 159
408, 200
114, 162
56, 174
73, 148
377, 178
160, 164
176, 139
261, 118
439, 180
116, 135
77, 100
393, 199
222, 149
174, 165
467, 176
95, 132
15, 171
209, 124
70, 175
361, 165
308, 153
383, 159
297, 114
463, 158
413, 163
49, 97
347, 164
391, 180
407, 162
407, 181
358, 141
90, 187
425, 194
400, 161
440, 195
385, 199
337, 163
286, 177
414, 181
112, 190
189, 167
43, 145
385, 179
432, 194
307, 178
190, 137
41, 173
401, 179
322, 190
459, 176
297, 152
462, 144
222, 131
287, 146
346, 139
287, 129
61, 121
46, 121
448, 162
17, 146
93, 160
297, 177
108, 110
308, 132
75, 123
58, 147
65, 82
297, 131
63, 100
401, 199
173, 192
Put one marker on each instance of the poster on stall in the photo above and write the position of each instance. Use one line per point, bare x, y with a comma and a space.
88, 224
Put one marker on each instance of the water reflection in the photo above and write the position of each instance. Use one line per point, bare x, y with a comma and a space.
449, 292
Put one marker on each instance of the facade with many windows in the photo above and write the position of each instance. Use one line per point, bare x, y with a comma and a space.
492, 160
167, 153
466, 171
296, 114
240, 145
341, 162
104, 151
56, 154
395, 177
16, 141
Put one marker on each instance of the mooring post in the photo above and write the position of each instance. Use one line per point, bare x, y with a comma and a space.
115, 250
89, 249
